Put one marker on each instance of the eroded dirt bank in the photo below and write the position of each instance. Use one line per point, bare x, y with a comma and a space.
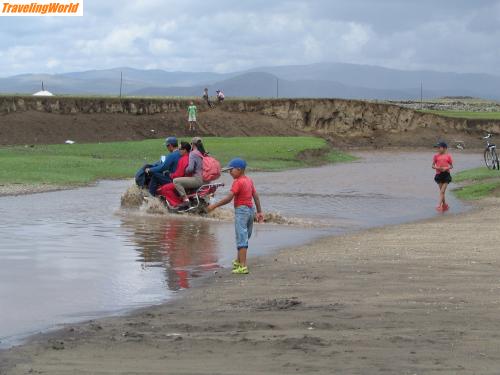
418, 298
31, 120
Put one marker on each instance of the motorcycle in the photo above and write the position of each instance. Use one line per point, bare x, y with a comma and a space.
199, 199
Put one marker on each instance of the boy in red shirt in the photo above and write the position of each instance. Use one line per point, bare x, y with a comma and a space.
443, 164
243, 192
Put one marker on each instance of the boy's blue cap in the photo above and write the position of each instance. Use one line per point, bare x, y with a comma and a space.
442, 144
171, 141
235, 163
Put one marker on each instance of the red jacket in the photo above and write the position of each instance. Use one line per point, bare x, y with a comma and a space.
181, 167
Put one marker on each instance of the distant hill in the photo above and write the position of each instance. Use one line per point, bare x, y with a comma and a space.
264, 85
455, 84
309, 81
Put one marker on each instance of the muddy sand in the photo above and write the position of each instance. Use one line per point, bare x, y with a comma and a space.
23, 189
419, 298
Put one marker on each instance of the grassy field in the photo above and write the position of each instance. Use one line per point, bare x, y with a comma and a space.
84, 163
478, 183
466, 114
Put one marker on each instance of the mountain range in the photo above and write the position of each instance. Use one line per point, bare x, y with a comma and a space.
326, 80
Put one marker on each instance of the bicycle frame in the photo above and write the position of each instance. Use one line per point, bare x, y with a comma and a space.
490, 154
488, 144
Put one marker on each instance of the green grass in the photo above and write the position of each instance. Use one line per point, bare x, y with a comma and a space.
466, 114
477, 191
479, 183
336, 156
85, 163
476, 174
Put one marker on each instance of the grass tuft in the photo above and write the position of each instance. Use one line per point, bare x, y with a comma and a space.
479, 183
476, 174
477, 191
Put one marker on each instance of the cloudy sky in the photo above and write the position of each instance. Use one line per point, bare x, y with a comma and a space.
223, 36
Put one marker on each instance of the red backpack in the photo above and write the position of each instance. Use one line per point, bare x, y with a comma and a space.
211, 168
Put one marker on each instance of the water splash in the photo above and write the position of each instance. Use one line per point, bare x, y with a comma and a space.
139, 199
133, 197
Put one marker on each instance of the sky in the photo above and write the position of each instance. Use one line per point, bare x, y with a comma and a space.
227, 36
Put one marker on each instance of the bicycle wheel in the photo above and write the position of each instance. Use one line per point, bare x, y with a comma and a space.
488, 159
494, 156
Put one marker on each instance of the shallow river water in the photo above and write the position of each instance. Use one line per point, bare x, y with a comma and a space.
74, 255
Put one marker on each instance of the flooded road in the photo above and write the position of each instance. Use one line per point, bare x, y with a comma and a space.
72, 255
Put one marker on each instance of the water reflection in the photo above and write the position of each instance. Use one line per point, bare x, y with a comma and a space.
183, 249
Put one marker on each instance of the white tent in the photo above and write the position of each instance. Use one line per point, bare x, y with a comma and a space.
43, 93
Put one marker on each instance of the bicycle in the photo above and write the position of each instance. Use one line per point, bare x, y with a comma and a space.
490, 154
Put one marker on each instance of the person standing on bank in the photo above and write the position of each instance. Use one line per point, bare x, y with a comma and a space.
206, 97
192, 112
244, 194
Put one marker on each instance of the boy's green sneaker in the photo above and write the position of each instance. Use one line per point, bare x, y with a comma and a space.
241, 270
236, 264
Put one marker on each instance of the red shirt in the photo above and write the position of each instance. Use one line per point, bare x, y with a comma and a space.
181, 167
243, 190
442, 161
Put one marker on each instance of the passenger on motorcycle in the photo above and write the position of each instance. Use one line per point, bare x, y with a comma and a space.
194, 170
168, 191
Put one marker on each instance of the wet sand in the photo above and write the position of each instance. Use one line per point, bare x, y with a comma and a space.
418, 298
23, 189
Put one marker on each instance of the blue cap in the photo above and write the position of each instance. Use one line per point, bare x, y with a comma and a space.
171, 141
442, 144
235, 163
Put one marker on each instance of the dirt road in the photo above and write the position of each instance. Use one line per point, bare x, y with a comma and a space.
419, 298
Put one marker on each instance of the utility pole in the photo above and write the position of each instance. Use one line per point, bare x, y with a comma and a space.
421, 95
121, 84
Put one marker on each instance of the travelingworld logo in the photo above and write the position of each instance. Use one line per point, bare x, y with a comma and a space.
41, 8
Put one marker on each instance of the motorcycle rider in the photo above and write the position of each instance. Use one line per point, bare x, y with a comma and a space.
160, 174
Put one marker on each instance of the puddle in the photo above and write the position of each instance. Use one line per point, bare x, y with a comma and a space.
73, 255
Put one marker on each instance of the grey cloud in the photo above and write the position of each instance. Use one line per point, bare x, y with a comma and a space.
457, 35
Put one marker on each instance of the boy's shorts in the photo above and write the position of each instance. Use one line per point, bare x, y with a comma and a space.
192, 118
243, 225
443, 178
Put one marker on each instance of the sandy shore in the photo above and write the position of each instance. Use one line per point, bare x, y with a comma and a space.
419, 298
23, 189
